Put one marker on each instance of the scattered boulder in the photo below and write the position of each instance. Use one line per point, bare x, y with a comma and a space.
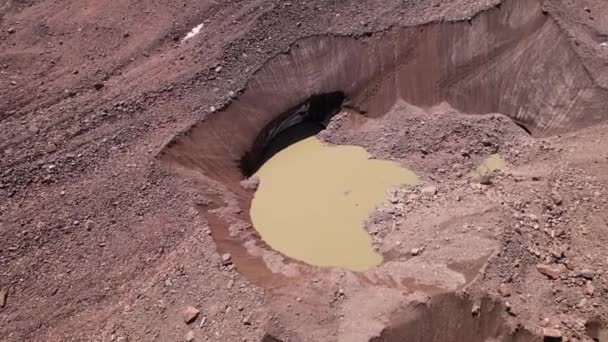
11, 30
553, 272
190, 314
552, 335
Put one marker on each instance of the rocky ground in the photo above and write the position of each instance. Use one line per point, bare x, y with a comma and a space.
100, 242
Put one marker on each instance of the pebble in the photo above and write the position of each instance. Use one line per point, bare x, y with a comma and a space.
190, 314
189, 336
552, 272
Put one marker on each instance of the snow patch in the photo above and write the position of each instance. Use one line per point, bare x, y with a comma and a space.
196, 30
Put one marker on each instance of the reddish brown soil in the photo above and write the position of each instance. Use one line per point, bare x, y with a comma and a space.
104, 232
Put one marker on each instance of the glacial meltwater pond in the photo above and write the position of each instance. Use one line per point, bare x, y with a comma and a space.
313, 200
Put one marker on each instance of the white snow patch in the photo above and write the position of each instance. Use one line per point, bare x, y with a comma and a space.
196, 30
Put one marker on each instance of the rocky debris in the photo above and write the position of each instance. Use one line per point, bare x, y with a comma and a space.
247, 320
505, 290
429, 191
553, 272
189, 336
226, 259
121, 339
251, 183
190, 314
3, 296
552, 335
230, 284
604, 45
11, 30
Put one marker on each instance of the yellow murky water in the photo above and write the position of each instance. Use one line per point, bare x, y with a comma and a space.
313, 200
492, 163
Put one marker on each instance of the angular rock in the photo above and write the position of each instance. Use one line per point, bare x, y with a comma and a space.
89, 225
429, 191
3, 296
557, 198
505, 290
587, 273
553, 272
475, 310
190, 314
226, 259
251, 183
11, 30
189, 336
552, 335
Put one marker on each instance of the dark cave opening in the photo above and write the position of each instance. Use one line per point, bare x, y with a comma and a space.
295, 124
